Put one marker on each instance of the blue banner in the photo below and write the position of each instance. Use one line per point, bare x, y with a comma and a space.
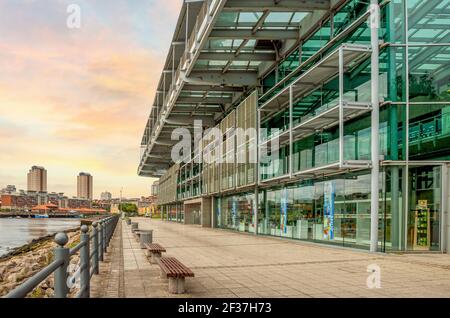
284, 208
234, 211
328, 210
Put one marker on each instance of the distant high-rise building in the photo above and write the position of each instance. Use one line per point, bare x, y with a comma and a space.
37, 179
155, 187
106, 196
84, 186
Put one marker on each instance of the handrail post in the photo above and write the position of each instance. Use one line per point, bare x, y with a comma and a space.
100, 241
110, 232
85, 263
95, 247
105, 231
61, 275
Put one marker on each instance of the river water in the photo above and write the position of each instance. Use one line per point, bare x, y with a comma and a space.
18, 232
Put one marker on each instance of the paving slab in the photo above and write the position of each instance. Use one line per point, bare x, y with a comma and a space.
228, 264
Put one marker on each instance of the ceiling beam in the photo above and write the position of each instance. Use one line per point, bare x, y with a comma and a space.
257, 56
207, 100
277, 6
216, 78
189, 120
211, 88
249, 34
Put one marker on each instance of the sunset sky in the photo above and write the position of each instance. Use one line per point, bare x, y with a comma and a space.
75, 100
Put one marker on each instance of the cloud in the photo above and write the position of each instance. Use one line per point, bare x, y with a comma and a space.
77, 100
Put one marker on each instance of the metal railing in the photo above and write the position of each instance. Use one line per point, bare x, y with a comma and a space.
97, 241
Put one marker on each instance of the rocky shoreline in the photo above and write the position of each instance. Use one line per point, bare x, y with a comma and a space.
23, 262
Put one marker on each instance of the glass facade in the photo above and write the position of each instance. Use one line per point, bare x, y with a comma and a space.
236, 212
414, 137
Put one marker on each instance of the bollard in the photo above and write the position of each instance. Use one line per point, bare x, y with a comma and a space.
146, 237
100, 241
134, 226
61, 275
85, 263
95, 247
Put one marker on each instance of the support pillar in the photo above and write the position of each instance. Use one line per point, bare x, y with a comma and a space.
256, 208
374, 28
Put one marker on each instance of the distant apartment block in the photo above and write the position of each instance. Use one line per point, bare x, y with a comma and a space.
84, 186
155, 186
37, 179
27, 200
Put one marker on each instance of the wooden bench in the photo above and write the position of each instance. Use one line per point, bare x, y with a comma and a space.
176, 272
155, 251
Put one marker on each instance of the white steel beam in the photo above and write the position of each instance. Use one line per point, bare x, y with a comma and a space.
277, 6
257, 56
374, 204
249, 34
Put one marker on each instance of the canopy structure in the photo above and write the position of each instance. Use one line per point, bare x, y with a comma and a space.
219, 52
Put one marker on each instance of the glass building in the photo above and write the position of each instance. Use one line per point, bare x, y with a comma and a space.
348, 99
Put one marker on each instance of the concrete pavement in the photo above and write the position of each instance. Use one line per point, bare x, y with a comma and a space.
229, 264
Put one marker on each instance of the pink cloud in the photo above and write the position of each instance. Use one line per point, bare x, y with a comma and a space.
79, 99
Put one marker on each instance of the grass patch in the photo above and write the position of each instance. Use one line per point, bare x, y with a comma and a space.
37, 293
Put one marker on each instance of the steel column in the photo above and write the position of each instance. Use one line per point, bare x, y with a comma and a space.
374, 27
341, 107
291, 124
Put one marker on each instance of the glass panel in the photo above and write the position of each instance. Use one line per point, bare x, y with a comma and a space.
393, 74
429, 132
428, 21
236, 213
424, 208
350, 12
392, 208
275, 166
301, 214
392, 132
269, 224
393, 21
429, 73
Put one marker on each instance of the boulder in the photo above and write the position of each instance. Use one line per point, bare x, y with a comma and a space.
13, 278
49, 293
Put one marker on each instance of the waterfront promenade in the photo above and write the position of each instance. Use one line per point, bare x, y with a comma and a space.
229, 264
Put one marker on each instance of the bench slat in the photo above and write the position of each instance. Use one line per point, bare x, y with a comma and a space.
153, 247
174, 268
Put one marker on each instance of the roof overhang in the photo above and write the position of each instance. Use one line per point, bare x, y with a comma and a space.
230, 44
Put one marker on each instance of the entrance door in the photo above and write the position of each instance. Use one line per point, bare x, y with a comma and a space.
425, 205
197, 216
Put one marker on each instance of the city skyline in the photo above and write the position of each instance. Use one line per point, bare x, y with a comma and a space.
95, 194
89, 112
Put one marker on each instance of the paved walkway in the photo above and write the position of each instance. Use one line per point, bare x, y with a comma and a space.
229, 264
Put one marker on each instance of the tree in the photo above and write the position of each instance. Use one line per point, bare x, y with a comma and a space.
129, 209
